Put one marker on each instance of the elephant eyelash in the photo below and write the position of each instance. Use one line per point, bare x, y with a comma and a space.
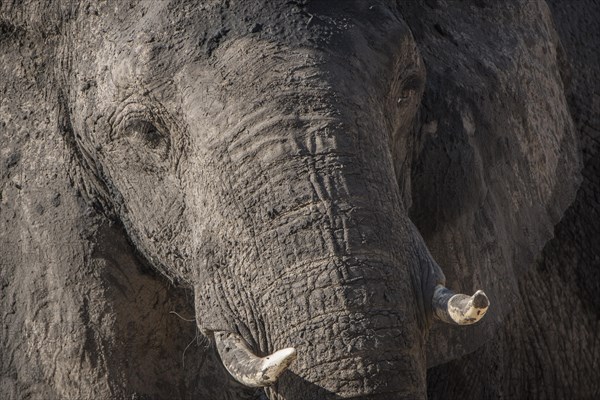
147, 132
150, 133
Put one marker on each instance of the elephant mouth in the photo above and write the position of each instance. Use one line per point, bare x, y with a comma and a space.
254, 371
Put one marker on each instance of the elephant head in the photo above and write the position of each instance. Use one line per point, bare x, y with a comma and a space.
247, 149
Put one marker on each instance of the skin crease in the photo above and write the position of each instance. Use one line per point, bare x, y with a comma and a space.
255, 167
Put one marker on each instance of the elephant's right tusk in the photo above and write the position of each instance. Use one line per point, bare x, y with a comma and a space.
246, 367
459, 308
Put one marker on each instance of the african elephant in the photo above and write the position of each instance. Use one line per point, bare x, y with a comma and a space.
266, 156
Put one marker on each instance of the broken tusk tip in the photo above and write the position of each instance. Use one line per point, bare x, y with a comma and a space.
480, 300
247, 368
276, 363
283, 356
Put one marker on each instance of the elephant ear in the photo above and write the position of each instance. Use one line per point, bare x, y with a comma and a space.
82, 318
42, 276
493, 161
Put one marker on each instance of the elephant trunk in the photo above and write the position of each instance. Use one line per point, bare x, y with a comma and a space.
314, 249
325, 262
354, 338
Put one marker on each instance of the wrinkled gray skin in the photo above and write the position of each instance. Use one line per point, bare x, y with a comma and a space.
267, 157
258, 171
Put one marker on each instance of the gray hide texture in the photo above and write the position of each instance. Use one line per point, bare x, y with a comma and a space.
507, 120
547, 348
494, 157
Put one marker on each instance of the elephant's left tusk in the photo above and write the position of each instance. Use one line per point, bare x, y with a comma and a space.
246, 367
459, 308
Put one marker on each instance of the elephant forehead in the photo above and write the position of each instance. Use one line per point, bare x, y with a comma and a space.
165, 35
151, 41
246, 68
140, 63
252, 79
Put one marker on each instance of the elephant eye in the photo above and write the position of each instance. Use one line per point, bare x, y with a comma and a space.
410, 86
146, 132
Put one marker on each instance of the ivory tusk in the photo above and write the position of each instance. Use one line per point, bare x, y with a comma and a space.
246, 367
459, 308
